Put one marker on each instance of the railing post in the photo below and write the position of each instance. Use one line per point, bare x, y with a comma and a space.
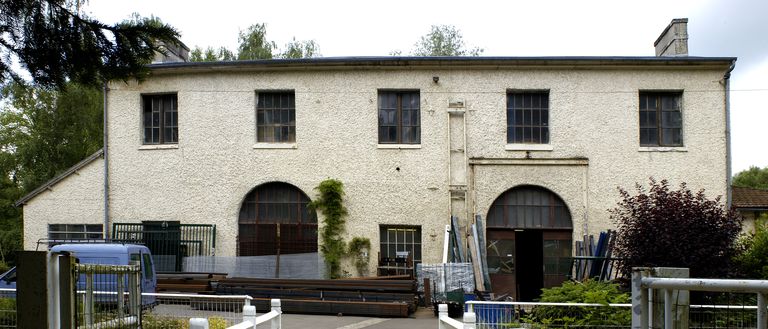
249, 314
277, 321
470, 320
198, 323
639, 299
88, 298
120, 295
442, 310
762, 316
668, 319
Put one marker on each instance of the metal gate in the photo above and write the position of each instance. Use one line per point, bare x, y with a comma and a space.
169, 241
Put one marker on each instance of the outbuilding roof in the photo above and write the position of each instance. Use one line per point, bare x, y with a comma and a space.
59, 178
749, 198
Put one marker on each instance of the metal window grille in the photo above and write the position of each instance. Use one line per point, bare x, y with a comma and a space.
276, 117
528, 117
399, 117
75, 231
399, 239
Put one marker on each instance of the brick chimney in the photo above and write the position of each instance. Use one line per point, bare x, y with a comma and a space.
674, 40
171, 53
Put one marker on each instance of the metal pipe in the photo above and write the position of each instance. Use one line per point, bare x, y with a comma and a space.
668, 309
761, 311
106, 165
706, 284
728, 165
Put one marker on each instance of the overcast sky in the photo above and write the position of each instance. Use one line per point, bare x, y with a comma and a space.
502, 28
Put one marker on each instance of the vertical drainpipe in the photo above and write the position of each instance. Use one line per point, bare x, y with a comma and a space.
728, 166
106, 167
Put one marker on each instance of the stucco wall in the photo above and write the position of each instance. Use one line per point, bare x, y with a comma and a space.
78, 199
593, 117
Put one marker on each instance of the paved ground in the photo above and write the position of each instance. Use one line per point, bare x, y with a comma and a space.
422, 319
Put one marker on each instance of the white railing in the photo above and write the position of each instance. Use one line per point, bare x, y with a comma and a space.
250, 320
642, 283
446, 322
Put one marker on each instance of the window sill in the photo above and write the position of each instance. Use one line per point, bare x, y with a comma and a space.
662, 149
398, 146
528, 147
159, 147
281, 146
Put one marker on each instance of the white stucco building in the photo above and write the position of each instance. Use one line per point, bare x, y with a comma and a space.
536, 146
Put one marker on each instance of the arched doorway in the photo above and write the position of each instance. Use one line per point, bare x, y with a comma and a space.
529, 242
274, 219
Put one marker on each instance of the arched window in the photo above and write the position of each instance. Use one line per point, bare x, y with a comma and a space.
529, 207
275, 215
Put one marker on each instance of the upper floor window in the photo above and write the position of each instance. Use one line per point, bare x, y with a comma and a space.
399, 117
528, 117
661, 119
276, 117
161, 120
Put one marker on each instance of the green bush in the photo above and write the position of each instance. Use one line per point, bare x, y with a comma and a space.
752, 262
595, 292
149, 321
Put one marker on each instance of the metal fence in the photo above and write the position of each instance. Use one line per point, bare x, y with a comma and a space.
172, 309
107, 296
580, 315
7, 308
169, 241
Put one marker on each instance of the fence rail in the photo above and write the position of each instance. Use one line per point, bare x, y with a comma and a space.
249, 320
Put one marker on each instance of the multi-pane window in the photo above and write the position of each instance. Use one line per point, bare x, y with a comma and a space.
400, 240
74, 231
661, 119
161, 120
276, 117
528, 117
399, 117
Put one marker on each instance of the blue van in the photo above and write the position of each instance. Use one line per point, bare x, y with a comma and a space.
114, 254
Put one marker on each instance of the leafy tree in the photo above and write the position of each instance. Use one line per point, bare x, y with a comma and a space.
254, 43
660, 227
211, 55
443, 40
301, 49
753, 177
56, 43
46, 131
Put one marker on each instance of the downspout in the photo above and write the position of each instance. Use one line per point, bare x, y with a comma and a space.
106, 166
728, 166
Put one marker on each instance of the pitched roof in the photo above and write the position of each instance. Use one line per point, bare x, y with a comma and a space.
751, 198
59, 178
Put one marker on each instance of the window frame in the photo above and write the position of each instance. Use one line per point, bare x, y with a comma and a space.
161, 140
290, 128
70, 230
413, 244
543, 127
399, 140
659, 125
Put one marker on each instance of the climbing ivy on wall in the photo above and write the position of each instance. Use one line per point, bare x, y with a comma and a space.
329, 202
